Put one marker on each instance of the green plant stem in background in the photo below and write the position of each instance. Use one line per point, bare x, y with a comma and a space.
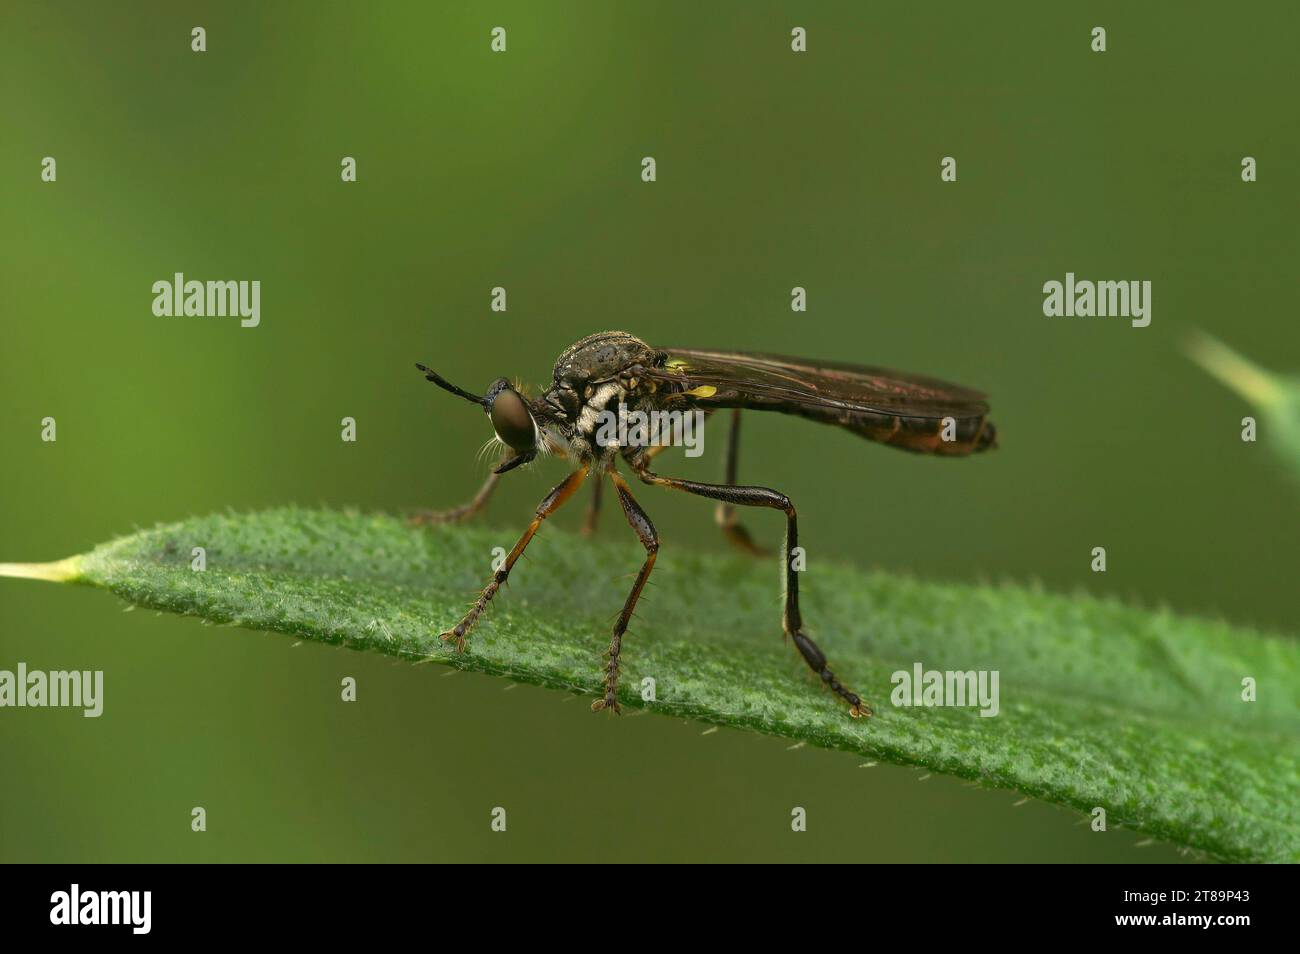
1102, 705
1275, 396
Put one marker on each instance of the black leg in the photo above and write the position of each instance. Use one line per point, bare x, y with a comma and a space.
725, 514
551, 503
791, 621
649, 537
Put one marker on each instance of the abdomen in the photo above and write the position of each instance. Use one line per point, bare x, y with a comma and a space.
920, 435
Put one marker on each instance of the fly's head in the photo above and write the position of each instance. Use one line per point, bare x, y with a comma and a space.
592, 376
516, 422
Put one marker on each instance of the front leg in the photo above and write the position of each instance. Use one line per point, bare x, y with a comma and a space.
457, 514
465, 510
551, 503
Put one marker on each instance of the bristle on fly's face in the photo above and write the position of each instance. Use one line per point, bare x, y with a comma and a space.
490, 450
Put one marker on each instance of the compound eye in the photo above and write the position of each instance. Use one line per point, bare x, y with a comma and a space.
512, 421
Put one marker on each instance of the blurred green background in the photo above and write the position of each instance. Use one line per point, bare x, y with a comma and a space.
522, 170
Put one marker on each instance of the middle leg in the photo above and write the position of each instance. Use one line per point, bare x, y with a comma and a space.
650, 540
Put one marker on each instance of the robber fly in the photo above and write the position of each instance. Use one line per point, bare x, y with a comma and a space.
613, 369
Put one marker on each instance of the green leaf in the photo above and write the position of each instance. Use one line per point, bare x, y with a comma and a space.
1101, 705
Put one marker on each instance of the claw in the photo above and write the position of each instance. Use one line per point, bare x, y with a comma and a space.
453, 635
607, 703
860, 711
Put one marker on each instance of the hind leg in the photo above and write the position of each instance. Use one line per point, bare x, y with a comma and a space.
791, 620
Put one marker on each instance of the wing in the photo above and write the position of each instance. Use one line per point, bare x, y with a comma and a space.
893, 407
